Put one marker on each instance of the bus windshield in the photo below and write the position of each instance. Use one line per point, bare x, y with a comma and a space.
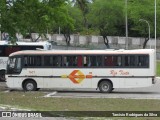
14, 65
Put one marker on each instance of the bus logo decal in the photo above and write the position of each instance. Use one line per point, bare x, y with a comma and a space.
76, 76
120, 72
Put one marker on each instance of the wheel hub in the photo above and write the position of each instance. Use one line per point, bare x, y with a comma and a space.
29, 86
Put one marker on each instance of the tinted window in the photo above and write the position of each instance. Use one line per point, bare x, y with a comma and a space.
57, 61
48, 61
6, 50
130, 61
32, 61
92, 61
143, 61
112, 61
70, 61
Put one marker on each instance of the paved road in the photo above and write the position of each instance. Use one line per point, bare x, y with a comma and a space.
152, 92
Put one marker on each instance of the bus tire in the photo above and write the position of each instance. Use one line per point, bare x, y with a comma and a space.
105, 87
30, 85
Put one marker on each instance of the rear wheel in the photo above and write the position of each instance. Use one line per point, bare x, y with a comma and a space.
105, 87
30, 86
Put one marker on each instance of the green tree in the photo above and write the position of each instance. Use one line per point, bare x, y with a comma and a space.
65, 22
143, 9
83, 5
7, 23
107, 16
76, 14
28, 16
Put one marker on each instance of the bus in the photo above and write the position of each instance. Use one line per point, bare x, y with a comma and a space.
6, 49
79, 69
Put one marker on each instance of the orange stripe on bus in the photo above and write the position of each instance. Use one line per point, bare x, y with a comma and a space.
89, 76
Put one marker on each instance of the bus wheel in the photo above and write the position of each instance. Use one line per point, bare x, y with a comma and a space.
105, 87
30, 86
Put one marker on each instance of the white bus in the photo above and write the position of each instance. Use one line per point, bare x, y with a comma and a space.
99, 69
6, 49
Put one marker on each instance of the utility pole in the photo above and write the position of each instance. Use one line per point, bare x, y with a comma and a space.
155, 25
126, 41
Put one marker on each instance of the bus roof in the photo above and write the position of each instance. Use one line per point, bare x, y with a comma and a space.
80, 52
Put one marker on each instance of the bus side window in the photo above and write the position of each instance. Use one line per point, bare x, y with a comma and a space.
143, 61
57, 61
126, 62
71, 61
34, 61
93, 61
132, 61
48, 61
25, 61
118, 60
2, 50
75, 61
10, 49
38, 60
140, 61
108, 61
86, 61
99, 61
65, 61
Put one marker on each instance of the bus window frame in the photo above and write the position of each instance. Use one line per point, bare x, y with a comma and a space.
115, 66
83, 55
136, 60
28, 66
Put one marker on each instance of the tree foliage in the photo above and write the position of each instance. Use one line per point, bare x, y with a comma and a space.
83, 5
142, 9
107, 16
28, 16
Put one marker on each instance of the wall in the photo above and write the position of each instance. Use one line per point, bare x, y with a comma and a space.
98, 42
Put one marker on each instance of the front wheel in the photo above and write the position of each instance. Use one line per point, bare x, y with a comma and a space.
105, 87
30, 86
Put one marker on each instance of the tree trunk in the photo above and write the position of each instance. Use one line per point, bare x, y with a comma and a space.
37, 38
106, 41
145, 42
30, 34
85, 21
68, 39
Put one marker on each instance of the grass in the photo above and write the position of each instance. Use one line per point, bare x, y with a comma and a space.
35, 101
